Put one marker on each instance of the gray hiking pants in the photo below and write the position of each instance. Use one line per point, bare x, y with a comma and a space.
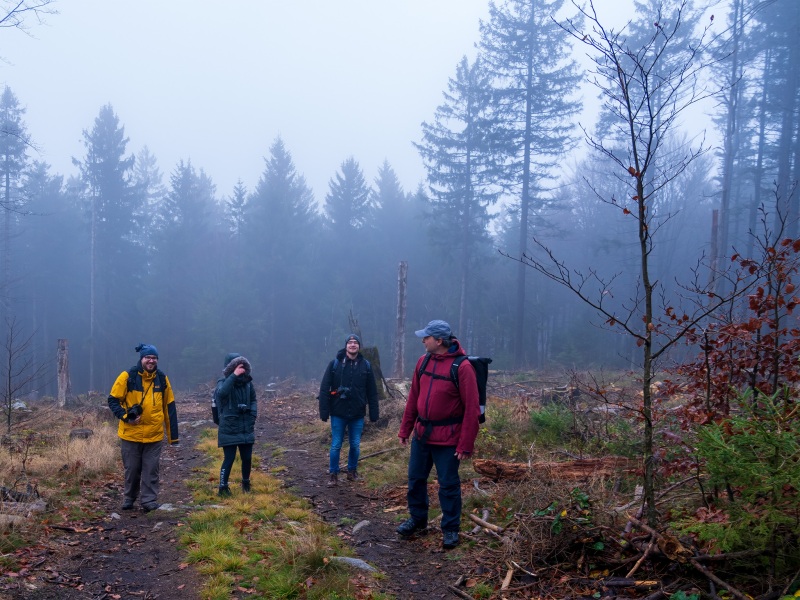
141, 462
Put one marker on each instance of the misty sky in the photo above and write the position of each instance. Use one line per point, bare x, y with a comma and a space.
216, 82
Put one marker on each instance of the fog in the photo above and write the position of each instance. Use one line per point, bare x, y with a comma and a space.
215, 84
249, 178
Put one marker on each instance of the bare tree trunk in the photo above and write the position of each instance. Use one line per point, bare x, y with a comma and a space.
730, 147
400, 332
92, 270
5, 287
714, 258
62, 360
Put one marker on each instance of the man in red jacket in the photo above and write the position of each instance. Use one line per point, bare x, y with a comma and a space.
444, 421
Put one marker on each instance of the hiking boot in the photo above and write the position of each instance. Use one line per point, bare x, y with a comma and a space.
246, 486
127, 505
224, 491
150, 506
352, 476
449, 539
409, 527
333, 481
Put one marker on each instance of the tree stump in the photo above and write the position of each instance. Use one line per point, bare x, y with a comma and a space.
83, 433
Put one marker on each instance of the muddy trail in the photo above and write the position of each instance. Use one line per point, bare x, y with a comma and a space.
132, 554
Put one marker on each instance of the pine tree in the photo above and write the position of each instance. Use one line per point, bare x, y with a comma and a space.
55, 258
348, 204
14, 142
528, 56
112, 201
463, 168
179, 283
280, 229
235, 208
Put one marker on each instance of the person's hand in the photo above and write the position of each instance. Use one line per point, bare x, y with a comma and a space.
324, 419
463, 455
136, 420
239, 370
403, 441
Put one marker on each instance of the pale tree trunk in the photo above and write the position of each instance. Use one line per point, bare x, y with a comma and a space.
714, 252
787, 201
62, 360
92, 270
730, 147
524, 212
758, 171
400, 332
5, 288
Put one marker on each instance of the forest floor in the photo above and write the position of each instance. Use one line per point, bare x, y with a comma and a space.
115, 554
110, 554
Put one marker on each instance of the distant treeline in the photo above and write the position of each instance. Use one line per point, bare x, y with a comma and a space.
119, 254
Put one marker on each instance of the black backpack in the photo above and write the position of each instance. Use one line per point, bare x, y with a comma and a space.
337, 363
481, 366
133, 376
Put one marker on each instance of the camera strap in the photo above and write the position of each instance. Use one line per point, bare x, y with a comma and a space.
339, 365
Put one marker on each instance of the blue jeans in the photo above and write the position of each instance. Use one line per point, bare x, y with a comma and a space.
423, 458
354, 429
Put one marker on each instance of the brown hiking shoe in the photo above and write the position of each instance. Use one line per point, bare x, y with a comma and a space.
334, 480
353, 476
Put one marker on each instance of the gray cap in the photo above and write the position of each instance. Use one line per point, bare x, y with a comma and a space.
352, 336
436, 328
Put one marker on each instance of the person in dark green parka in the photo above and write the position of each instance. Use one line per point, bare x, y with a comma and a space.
234, 408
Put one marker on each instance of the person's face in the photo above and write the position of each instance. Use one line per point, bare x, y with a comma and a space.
149, 363
431, 344
352, 348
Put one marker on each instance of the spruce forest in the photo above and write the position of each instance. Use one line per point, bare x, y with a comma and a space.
538, 262
650, 256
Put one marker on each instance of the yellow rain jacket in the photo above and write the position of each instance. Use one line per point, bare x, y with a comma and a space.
158, 406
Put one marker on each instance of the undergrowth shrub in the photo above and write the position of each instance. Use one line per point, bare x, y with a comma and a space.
552, 426
755, 456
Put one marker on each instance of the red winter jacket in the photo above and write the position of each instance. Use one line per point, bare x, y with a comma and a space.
436, 399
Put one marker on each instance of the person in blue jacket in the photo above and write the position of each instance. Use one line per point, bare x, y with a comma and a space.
234, 408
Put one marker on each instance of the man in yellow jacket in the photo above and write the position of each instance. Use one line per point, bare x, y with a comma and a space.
142, 399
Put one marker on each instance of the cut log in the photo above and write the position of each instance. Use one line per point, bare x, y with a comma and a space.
574, 469
495, 469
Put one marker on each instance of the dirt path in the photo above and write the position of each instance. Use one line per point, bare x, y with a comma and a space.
130, 554
418, 568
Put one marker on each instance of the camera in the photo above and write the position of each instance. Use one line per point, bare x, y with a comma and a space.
244, 408
134, 412
342, 392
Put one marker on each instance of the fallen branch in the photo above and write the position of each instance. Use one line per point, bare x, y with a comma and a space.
519, 568
729, 556
486, 524
734, 592
507, 579
478, 488
641, 560
459, 593
392, 449
667, 547
477, 528
627, 582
